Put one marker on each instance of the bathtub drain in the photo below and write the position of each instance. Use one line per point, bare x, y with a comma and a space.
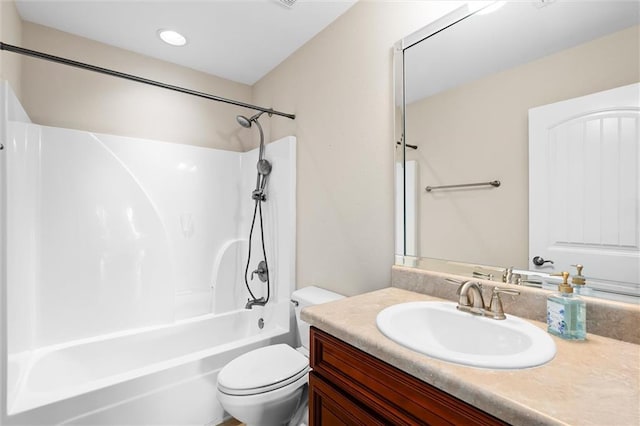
260, 323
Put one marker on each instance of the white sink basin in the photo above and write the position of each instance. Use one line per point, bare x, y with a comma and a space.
439, 330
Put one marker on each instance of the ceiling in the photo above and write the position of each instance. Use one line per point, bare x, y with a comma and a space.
517, 33
239, 40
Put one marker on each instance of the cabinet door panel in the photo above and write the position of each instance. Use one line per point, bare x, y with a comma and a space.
393, 395
329, 407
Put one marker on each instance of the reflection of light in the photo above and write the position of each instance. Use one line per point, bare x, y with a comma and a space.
492, 8
134, 231
137, 272
103, 268
101, 213
187, 167
186, 223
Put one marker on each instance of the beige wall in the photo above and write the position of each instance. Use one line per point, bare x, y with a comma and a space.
58, 95
340, 86
479, 132
11, 33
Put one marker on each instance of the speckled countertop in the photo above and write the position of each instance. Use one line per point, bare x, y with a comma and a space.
596, 382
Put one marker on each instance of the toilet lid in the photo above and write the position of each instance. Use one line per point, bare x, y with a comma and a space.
262, 370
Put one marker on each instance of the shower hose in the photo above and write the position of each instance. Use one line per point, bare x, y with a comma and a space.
258, 196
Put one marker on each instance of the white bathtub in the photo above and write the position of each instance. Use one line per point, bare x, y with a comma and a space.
59, 372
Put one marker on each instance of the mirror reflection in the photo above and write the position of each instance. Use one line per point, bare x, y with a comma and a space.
526, 127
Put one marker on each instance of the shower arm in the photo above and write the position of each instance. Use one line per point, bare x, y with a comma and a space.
89, 67
261, 150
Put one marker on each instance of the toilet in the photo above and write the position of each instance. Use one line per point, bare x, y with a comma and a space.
268, 386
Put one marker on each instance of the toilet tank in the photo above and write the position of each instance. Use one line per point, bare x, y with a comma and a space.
310, 296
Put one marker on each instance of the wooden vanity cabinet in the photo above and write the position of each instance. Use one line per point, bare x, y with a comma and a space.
350, 387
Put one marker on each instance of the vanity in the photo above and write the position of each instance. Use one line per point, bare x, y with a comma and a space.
349, 386
360, 377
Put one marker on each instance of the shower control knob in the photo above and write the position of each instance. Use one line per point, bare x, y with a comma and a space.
539, 261
262, 272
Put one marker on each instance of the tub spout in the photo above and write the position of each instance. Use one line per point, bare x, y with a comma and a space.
252, 302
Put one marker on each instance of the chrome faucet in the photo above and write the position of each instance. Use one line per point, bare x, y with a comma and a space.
507, 275
470, 300
255, 302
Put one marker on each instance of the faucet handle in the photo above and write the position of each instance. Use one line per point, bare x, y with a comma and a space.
495, 307
262, 271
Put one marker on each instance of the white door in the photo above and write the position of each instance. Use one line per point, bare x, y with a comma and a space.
584, 190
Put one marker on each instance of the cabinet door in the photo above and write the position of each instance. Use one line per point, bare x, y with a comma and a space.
377, 390
330, 407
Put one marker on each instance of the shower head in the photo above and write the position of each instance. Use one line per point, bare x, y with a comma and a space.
243, 121
246, 122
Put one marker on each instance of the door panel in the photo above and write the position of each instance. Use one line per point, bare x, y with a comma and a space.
584, 186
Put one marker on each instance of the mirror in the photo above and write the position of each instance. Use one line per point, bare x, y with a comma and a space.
471, 89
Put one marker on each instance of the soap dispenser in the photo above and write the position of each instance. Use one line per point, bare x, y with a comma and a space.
566, 312
579, 283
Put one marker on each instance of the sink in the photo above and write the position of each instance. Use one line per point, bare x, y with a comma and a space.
439, 330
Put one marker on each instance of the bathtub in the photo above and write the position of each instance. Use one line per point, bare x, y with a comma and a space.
59, 372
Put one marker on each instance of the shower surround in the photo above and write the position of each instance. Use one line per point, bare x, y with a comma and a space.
124, 271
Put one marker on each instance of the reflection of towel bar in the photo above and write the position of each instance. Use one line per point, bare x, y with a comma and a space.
495, 183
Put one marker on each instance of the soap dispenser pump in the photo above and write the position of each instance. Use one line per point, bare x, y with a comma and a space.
566, 312
579, 283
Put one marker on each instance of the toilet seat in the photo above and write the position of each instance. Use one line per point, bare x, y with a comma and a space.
263, 370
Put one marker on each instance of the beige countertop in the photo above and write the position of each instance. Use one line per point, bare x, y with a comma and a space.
595, 382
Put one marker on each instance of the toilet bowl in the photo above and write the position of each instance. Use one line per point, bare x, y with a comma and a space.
264, 386
267, 386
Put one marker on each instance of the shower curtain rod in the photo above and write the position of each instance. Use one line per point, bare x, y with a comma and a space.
89, 67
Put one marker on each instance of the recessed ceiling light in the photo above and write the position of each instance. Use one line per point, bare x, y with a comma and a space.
171, 37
